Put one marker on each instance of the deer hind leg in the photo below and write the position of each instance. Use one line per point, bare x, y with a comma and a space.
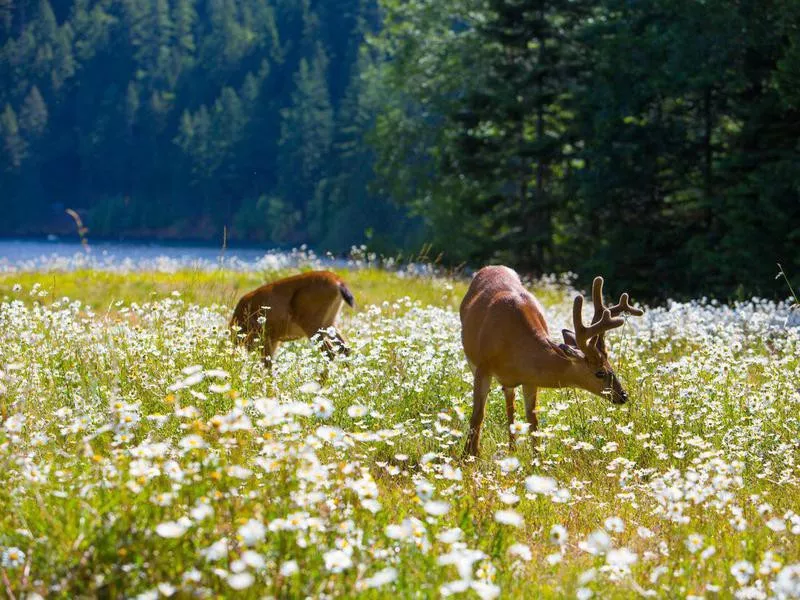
479, 393
508, 392
315, 326
327, 346
332, 344
326, 340
329, 323
319, 338
343, 347
530, 392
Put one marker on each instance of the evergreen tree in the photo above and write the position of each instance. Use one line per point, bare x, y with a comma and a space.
6, 13
46, 23
358, 214
630, 138
515, 123
306, 137
13, 144
33, 114
63, 66
184, 18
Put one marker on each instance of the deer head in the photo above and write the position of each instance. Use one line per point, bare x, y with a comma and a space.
587, 348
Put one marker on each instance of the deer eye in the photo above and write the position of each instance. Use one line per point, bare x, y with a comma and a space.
600, 374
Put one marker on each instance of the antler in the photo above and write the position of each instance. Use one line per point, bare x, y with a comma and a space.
597, 299
599, 306
583, 334
623, 306
604, 317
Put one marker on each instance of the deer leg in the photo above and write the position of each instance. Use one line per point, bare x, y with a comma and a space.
327, 347
343, 347
340, 347
479, 393
324, 342
508, 392
268, 348
529, 392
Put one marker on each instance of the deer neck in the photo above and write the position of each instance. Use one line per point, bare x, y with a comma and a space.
553, 368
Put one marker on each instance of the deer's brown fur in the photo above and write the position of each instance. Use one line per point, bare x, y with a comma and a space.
505, 337
290, 309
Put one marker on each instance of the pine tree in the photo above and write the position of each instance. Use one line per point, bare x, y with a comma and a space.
184, 17
226, 43
13, 144
306, 137
63, 67
46, 23
229, 122
516, 122
357, 214
33, 115
6, 14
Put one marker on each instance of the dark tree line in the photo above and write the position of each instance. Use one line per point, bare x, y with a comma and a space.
176, 117
655, 141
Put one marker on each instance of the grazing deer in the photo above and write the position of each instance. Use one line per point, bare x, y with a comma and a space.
505, 336
291, 308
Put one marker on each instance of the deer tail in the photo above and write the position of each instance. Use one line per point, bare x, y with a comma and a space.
346, 294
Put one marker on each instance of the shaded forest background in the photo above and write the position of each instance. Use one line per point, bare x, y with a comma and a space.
657, 142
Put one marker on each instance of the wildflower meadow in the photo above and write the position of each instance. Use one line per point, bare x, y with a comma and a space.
143, 453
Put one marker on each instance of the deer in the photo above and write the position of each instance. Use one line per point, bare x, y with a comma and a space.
291, 308
505, 337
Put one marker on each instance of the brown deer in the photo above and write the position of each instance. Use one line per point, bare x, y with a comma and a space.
505, 336
292, 308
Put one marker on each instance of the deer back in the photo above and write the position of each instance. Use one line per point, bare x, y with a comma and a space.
292, 306
502, 323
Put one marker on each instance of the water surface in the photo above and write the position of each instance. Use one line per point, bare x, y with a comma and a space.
60, 254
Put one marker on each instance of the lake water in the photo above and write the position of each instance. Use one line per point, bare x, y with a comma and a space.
22, 250
42, 254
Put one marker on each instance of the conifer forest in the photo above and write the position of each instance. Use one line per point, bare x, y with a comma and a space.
657, 142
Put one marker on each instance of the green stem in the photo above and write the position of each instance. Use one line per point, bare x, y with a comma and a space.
781, 273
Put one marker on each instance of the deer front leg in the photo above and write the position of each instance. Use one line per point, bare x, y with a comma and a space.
508, 392
268, 348
479, 393
529, 393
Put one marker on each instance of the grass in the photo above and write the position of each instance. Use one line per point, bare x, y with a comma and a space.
101, 289
143, 453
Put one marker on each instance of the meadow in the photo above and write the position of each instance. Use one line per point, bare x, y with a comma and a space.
144, 454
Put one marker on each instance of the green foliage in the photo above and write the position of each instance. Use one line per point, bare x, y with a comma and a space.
653, 142
177, 117
13, 144
306, 137
33, 116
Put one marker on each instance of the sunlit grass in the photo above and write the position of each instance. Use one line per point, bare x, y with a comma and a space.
135, 436
101, 289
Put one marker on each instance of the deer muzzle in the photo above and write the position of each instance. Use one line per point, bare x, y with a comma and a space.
618, 394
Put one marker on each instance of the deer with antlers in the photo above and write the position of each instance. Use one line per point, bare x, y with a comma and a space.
505, 336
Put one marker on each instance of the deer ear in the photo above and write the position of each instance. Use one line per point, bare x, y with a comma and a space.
571, 352
569, 338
